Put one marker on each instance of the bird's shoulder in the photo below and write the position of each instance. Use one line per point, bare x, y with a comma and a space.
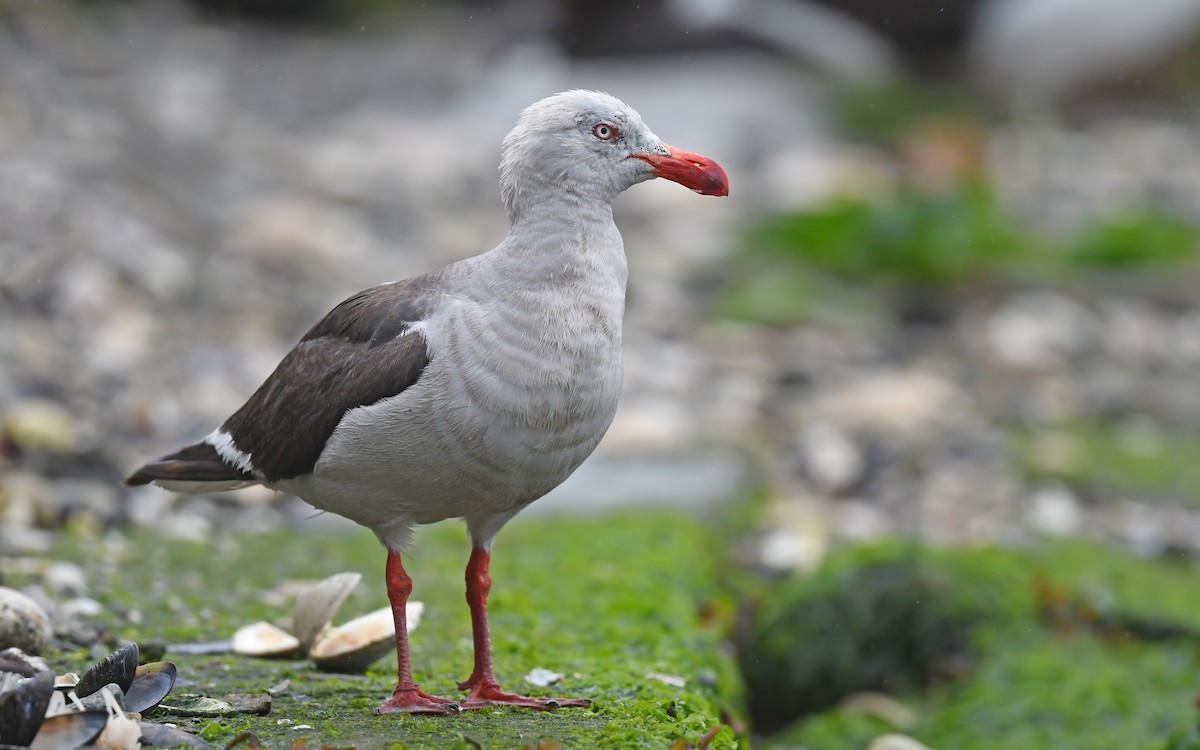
377, 315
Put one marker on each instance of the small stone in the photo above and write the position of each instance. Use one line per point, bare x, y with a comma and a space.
81, 607
65, 578
1055, 511
891, 401
279, 688
40, 424
882, 706
895, 742
542, 677
258, 704
26, 500
830, 457
1039, 330
23, 623
861, 521
673, 680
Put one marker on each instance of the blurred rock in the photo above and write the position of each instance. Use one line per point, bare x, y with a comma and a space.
830, 458
65, 578
26, 499
24, 624
1039, 330
1038, 50
1056, 511
40, 424
895, 742
900, 401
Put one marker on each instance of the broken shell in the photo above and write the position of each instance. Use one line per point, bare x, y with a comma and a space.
23, 623
66, 681
316, 606
163, 735
151, 683
16, 660
359, 643
23, 707
120, 732
198, 705
71, 729
264, 640
120, 666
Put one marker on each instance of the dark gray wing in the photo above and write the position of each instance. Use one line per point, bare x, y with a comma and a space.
363, 351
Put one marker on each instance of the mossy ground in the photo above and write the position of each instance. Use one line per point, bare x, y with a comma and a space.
603, 601
1084, 647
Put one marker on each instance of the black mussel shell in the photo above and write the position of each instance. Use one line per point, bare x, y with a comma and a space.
151, 684
23, 708
120, 667
70, 730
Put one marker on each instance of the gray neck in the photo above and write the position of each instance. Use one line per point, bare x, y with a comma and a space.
564, 249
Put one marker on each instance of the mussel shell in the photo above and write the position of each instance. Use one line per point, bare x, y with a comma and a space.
262, 639
316, 606
70, 730
120, 666
23, 708
357, 644
151, 684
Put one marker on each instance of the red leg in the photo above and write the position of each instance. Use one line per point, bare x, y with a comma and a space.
485, 691
407, 698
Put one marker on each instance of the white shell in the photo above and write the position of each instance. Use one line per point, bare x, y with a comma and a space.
316, 606
23, 623
359, 643
264, 640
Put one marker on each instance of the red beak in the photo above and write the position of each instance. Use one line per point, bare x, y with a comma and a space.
699, 173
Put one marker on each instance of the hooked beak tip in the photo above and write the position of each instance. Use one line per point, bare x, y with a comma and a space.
698, 173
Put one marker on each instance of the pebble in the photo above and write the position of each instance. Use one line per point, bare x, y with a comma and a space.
882, 706
137, 315
1056, 511
1039, 330
65, 578
24, 624
258, 704
40, 424
830, 458
542, 677
895, 742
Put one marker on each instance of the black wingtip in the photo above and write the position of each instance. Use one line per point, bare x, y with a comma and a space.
199, 462
138, 478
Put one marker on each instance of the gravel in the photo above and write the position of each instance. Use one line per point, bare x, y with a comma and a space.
177, 209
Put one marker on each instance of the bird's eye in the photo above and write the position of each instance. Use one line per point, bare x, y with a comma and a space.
605, 132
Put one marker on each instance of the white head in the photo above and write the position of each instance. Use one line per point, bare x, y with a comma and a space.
594, 146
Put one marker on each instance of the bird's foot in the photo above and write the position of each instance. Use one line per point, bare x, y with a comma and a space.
484, 694
415, 701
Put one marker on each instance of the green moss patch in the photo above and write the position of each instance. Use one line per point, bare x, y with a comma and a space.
603, 601
835, 260
1072, 646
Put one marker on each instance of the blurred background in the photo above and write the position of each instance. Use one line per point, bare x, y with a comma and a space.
951, 299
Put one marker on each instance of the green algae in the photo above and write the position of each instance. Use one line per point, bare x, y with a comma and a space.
1114, 668
604, 601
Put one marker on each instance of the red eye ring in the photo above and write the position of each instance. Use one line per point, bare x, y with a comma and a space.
606, 132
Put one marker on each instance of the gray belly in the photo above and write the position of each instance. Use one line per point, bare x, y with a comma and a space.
463, 442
